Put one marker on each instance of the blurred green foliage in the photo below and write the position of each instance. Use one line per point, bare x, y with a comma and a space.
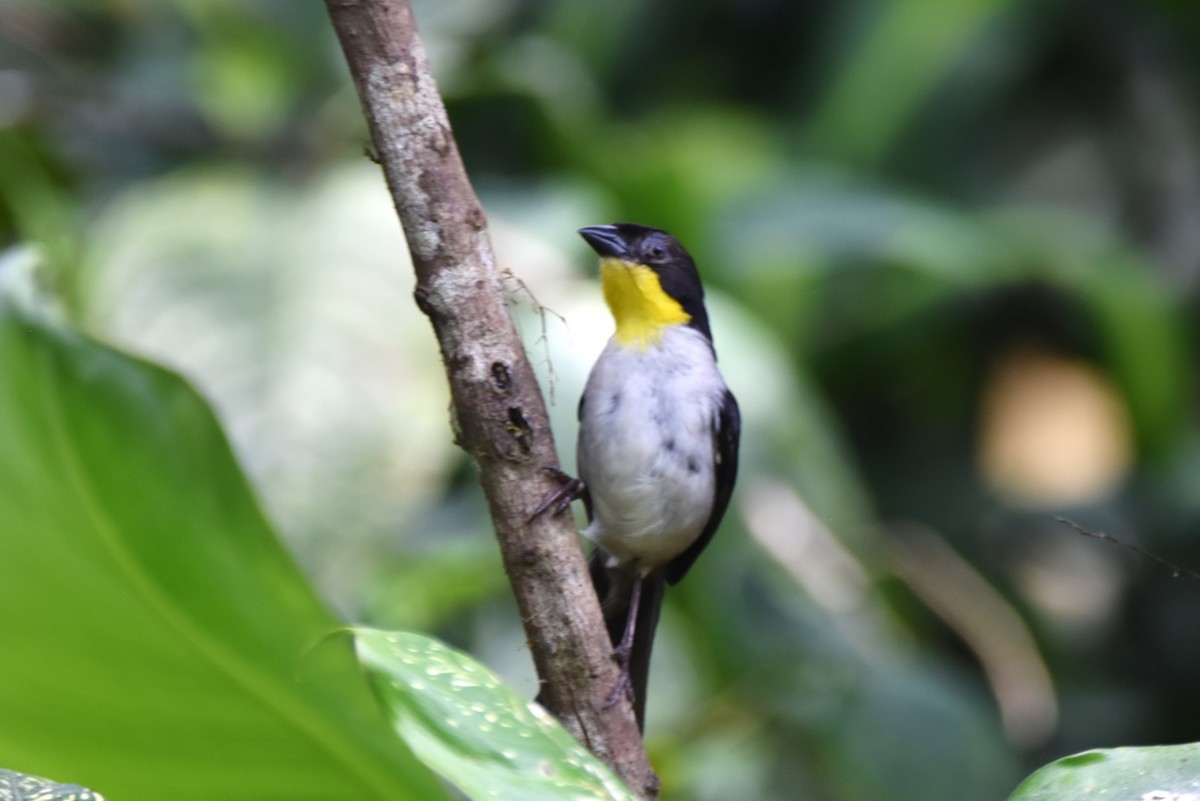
925, 226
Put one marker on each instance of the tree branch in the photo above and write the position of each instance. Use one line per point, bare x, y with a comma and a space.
500, 417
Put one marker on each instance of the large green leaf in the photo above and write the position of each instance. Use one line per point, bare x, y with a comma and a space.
470, 727
1162, 773
158, 641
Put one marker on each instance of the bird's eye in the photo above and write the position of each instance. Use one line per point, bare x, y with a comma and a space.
658, 253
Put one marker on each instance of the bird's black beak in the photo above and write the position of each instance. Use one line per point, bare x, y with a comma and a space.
605, 240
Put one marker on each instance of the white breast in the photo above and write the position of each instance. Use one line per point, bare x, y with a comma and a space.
646, 447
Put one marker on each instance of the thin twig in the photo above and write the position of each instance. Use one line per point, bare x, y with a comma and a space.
1176, 570
543, 337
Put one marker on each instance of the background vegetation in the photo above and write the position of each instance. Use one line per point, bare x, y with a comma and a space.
953, 257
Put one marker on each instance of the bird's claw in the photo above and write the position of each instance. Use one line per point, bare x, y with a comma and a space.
570, 489
624, 684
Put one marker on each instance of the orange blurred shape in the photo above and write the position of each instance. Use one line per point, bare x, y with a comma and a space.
1053, 430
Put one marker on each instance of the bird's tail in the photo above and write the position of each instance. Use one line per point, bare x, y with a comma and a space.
614, 588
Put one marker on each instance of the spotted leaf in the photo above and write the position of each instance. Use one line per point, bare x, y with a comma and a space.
1163, 773
23, 787
466, 724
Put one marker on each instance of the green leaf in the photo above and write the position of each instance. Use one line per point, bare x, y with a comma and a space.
158, 641
23, 787
462, 721
1161, 773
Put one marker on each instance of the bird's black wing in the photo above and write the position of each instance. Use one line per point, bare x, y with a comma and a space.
585, 495
727, 431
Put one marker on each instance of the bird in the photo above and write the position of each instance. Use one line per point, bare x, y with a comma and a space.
659, 433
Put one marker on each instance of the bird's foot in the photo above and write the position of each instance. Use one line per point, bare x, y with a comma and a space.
570, 489
624, 684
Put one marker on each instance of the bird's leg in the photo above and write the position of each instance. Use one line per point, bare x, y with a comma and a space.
624, 649
570, 489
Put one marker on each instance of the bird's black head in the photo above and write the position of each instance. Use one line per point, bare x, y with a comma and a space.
643, 246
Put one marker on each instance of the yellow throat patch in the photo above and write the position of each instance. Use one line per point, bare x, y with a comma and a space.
638, 303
